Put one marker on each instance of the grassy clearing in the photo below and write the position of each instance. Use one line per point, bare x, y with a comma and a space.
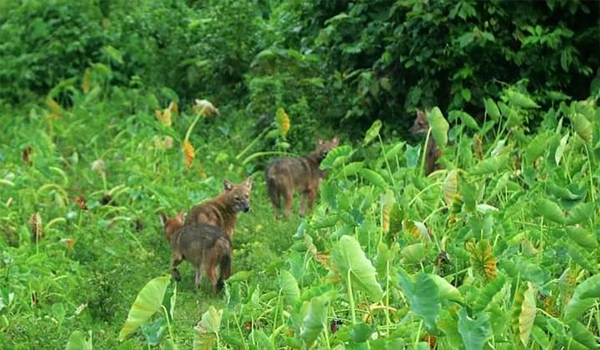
118, 246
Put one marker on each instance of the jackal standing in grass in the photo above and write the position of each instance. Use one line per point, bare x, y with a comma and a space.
432, 151
222, 210
284, 176
202, 245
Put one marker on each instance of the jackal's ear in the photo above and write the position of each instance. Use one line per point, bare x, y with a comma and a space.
180, 217
319, 142
227, 185
248, 182
163, 219
336, 141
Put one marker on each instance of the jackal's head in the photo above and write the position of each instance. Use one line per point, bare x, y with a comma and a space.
420, 126
172, 225
324, 147
238, 196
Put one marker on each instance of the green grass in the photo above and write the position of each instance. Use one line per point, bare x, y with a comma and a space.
112, 258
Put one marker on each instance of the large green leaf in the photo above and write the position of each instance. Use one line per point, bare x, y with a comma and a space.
146, 304
439, 126
466, 119
582, 257
423, 296
582, 237
336, 156
582, 127
584, 297
518, 99
474, 332
550, 210
373, 178
314, 321
527, 314
489, 165
488, 293
361, 332
582, 334
77, 341
372, 132
289, 288
350, 261
446, 290
413, 253
582, 212
537, 146
491, 108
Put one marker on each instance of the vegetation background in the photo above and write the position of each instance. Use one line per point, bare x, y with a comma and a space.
90, 152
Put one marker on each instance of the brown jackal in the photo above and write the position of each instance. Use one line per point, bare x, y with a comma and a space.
421, 126
202, 245
222, 210
286, 175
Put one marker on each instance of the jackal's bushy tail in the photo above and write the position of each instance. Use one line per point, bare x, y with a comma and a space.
225, 266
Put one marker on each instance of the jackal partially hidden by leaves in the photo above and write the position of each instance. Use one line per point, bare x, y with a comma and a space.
285, 176
222, 210
432, 151
202, 245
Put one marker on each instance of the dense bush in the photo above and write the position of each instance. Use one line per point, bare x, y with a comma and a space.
45, 42
380, 59
345, 63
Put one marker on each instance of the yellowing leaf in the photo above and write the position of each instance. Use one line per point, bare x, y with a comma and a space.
482, 258
164, 116
283, 121
450, 186
188, 151
387, 202
527, 315
55, 108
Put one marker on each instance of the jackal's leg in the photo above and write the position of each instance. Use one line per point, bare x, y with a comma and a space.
303, 198
198, 275
312, 195
275, 197
177, 259
289, 199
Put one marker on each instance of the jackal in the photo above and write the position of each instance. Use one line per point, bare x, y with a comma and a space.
222, 210
432, 151
202, 245
284, 176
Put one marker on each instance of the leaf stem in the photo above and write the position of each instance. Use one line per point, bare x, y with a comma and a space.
351, 298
